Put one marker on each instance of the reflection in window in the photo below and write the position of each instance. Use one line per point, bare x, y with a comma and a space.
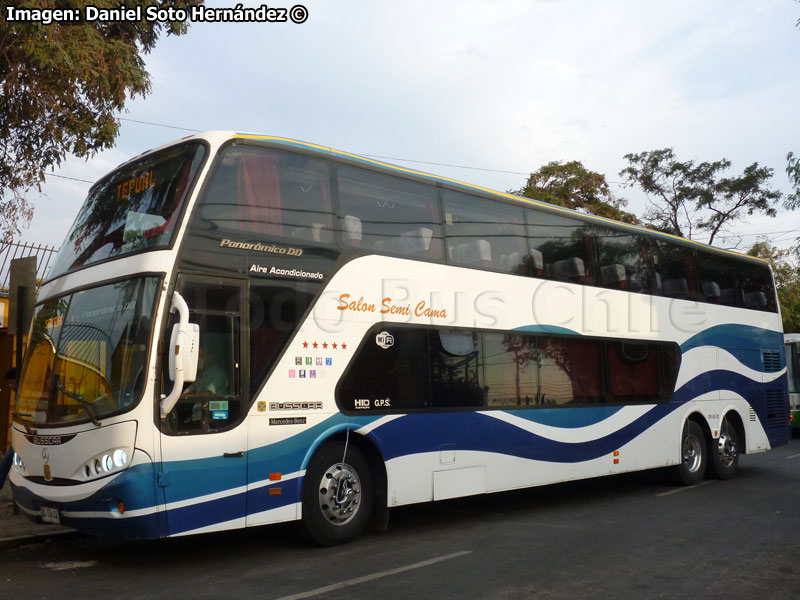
36, 382
718, 280
561, 248
388, 214
623, 259
455, 373
135, 208
675, 272
511, 367
757, 289
88, 353
468, 369
482, 233
571, 371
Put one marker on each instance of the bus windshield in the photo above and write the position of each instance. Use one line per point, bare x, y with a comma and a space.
87, 356
135, 208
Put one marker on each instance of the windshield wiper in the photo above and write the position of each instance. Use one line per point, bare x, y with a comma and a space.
88, 407
21, 417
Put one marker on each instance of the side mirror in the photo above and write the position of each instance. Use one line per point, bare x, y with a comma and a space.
183, 353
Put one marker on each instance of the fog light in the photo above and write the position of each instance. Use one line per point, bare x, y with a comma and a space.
97, 468
18, 462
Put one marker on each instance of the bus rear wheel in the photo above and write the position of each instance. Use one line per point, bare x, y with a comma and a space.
725, 452
338, 493
692, 467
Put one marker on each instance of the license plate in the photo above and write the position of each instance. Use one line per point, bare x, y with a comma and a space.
50, 514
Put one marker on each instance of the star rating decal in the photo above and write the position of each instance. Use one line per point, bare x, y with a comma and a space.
315, 345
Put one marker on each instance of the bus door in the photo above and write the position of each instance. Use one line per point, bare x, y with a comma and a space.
204, 439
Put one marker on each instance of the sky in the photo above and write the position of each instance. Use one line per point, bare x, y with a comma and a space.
494, 89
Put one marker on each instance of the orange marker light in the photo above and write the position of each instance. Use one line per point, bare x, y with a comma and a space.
616, 461
275, 491
274, 476
616, 452
121, 507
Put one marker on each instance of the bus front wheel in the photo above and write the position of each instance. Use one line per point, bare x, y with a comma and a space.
693, 454
337, 494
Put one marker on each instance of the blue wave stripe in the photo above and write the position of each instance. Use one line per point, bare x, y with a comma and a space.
569, 418
743, 341
547, 329
478, 431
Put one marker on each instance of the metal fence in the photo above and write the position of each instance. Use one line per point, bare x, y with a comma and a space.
12, 250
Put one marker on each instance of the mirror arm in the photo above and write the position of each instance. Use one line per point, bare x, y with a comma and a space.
178, 304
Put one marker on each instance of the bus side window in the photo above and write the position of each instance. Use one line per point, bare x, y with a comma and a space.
485, 234
571, 371
563, 246
757, 288
624, 260
214, 400
455, 369
269, 193
676, 272
388, 214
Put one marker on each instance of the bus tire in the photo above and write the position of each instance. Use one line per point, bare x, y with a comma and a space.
337, 494
692, 467
725, 452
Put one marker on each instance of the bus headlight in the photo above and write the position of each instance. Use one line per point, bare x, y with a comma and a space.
120, 457
108, 462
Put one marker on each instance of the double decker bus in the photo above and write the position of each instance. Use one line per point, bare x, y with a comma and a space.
242, 329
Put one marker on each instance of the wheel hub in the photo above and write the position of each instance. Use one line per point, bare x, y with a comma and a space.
339, 494
727, 449
692, 453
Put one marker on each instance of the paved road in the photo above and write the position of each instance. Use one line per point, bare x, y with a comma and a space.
631, 536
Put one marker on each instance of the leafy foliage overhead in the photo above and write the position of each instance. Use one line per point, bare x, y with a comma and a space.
793, 171
61, 86
691, 199
574, 186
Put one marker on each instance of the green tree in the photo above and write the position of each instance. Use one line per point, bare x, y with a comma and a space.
694, 199
574, 186
793, 171
61, 87
787, 280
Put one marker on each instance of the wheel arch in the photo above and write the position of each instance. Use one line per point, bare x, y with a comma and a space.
348, 432
735, 419
696, 417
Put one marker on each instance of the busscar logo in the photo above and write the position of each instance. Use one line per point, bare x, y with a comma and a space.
295, 406
384, 340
